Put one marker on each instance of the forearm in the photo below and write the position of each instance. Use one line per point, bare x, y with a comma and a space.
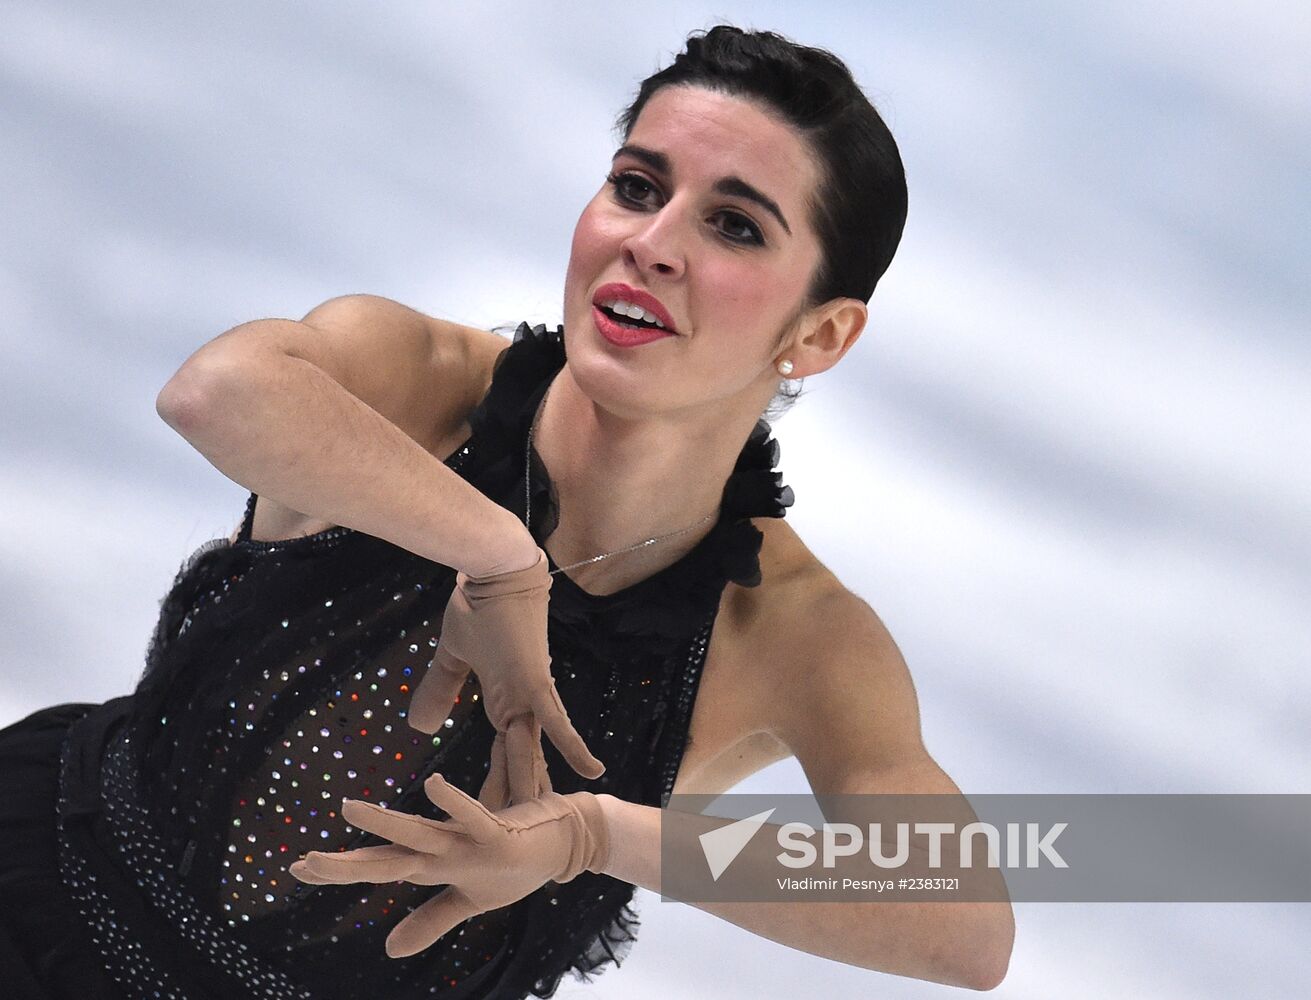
959, 944
284, 428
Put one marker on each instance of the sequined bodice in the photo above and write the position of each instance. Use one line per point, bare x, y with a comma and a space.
277, 683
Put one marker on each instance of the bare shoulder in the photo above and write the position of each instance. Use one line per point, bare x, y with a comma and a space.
795, 586
479, 350
822, 649
756, 661
423, 373
802, 667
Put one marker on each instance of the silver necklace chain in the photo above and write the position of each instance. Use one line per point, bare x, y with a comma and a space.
528, 501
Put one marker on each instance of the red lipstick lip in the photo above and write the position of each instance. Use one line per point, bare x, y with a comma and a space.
618, 290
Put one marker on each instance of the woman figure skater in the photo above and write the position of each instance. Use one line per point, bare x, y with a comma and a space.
530, 589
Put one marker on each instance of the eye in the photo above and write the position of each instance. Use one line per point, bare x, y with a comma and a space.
623, 182
752, 231
629, 189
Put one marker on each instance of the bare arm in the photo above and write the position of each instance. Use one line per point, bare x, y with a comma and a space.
957, 944
852, 719
326, 415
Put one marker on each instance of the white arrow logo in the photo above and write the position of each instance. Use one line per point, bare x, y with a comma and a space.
723, 845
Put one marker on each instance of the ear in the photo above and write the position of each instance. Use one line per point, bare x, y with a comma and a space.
824, 335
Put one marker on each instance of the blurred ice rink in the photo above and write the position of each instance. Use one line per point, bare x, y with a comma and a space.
1067, 463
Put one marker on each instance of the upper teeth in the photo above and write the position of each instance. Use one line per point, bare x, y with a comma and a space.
631, 311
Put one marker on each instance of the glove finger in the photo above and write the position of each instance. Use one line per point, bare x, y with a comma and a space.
525, 760
539, 760
544, 786
388, 863
427, 835
555, 721
495, 792
422, 928
474, 819
434, 698
300, 871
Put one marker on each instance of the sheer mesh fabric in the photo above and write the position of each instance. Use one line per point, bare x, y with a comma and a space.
277, 683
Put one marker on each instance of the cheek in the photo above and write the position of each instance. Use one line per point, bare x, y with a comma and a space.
592, 235
583, 251
740, 288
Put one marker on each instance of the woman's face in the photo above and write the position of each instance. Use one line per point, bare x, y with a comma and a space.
677, 219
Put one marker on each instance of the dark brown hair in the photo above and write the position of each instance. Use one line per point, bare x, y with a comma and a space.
859, 208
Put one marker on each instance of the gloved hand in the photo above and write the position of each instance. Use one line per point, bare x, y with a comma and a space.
517, 771
486, 859
496, 627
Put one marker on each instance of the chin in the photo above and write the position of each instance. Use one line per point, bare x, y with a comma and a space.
611, 385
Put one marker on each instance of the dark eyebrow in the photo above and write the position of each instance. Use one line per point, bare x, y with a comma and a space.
733, 186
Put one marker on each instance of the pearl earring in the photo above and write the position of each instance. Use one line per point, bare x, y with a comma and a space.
785, 367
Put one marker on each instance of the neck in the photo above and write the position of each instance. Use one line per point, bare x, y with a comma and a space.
620, 481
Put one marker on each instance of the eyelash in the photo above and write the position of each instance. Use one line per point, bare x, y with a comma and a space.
619, 179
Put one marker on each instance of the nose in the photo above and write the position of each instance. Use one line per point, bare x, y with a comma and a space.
656, 245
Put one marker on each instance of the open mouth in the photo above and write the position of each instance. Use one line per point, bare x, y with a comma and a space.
636, 324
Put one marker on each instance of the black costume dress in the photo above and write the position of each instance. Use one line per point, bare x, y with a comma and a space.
144, 843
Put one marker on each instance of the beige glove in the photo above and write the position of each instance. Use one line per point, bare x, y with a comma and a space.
517, 771
496, 627
486, 860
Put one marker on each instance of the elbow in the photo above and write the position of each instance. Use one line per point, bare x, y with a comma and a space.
971, 949
178, 402
989, 977
190, 394
990, 959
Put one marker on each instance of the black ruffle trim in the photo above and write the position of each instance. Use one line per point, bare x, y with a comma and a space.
610, 945
663, 609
